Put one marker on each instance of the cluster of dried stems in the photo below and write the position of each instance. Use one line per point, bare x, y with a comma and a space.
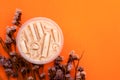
17, 67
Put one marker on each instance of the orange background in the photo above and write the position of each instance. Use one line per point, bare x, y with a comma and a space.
90, 25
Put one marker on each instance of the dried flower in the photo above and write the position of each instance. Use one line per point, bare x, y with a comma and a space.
69, 67
7, 64
42, 76
57, 61
53, 69
59, 75
51, 73
2, 60
23, 70
12, 53
17, 17
30, 78
14, 74
59, 58
80, 69
35, 67
10, 31
10, 37
67, 75
80, 74
72, 56
9, 71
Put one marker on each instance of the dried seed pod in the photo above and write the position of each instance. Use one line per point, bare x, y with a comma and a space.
51, 73
59, 58
10, 37
42, 76
9, 71
23, 72
19, 11
7, 64
8, 40
35, 67
57, 62
80, 69
10, 31
81, 73
59, 75
30, 78
2, 60
53, 69
67, 75
72, 53
21, 61
17, 17
69, 67
13, 28
78, 76
13, 53
15, 22
14, 74
71, 78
